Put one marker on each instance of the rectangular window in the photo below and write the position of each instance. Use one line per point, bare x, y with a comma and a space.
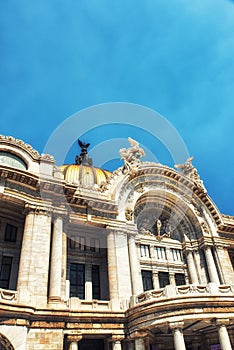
5, 272
147, 279
176, 254
10, 233
163, 278
77, 280
94, 245
179, 279
77, 242
96, 282
144, 251
160, 253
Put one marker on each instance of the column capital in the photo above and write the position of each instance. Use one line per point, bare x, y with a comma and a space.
74, 337
176, 325
60, 214
37, 209
207, 243
138, 334
219, 322
116, 338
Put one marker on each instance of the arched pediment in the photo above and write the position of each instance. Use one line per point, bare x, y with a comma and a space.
163, 214
178, 190
16, 154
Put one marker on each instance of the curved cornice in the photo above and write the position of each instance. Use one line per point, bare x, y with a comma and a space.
184, 185
11, 141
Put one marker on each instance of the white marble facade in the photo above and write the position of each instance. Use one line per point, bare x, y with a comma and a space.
140, 258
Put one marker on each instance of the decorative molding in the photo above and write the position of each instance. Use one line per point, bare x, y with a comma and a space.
8, 295
10, 140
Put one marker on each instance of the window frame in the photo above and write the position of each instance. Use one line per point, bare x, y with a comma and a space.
6, 268
10, 234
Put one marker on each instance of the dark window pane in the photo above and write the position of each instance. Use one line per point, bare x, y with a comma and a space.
5, 272
10, 233
147, 280
77, 280
96, 282
163, 279
179, 279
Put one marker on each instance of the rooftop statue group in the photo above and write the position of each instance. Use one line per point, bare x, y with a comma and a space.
131, 156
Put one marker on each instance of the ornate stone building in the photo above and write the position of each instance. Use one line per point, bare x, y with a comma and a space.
140, 258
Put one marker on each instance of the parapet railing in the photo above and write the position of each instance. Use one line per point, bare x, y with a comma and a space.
78, 304
172, 291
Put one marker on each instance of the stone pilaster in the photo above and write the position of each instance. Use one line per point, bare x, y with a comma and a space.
178, 337
213, 274
64, 266
56, 260
224, 263
136, 280
155, 279
112, 267
88, 282
172, 278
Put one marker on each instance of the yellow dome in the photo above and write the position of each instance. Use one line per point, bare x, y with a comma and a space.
84, 175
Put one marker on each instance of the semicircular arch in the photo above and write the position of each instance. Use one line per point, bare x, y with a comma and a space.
173, 215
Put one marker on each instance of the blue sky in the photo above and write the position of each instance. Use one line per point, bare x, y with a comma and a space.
175, 57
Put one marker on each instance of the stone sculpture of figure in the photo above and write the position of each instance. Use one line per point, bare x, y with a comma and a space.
131, 156
159, 225
83, 158
189, 170
187, 167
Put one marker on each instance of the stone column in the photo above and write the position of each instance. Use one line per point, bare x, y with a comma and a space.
155, 279
64, 267
112, 268
137, 287
73, 341
34, 260
172, 278
178, 336
116, 345
140, 344
56, 260
220, 258
211, 265
223, 333
191, 267
25, 256
88, 282
73, 345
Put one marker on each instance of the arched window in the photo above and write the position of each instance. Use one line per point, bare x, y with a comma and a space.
11, 160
